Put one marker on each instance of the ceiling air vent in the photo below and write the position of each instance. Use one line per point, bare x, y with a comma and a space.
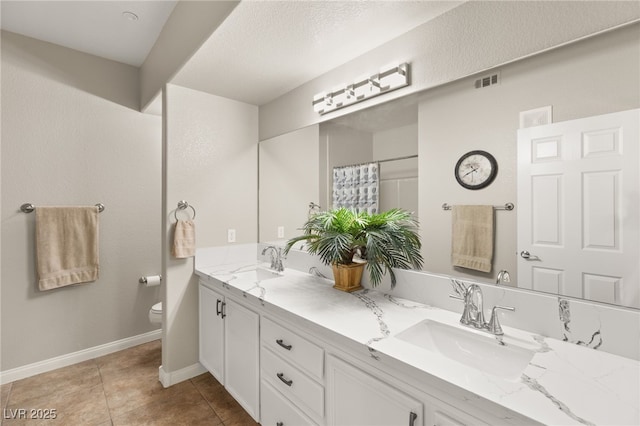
486, 81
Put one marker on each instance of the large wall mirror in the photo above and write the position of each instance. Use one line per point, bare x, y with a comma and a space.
434, 128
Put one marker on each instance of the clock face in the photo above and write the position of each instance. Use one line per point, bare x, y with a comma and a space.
476, 169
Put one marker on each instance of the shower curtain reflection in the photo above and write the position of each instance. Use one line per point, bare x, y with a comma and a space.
356, 187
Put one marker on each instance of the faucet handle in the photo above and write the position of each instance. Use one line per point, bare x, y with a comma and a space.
281, 253
494, 323
459, 287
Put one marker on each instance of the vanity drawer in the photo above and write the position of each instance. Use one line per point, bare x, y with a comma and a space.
293, 383
292, 347
277, 410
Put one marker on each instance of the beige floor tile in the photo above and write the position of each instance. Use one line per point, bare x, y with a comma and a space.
240, 418
122, 389
76, 377
4, 394
146, 356
126, 393
86, 406
186, 408
225, 406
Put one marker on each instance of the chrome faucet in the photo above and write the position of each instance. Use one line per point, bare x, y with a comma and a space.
276, 257
473, 313
503, 277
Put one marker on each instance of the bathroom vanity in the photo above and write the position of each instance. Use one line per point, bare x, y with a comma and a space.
292, 350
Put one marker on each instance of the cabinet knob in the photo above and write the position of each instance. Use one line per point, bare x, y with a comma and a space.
284, 345
283, 380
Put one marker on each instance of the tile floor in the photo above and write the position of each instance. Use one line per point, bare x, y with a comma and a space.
121, 388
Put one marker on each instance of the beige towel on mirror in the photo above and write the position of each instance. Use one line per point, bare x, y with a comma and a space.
66, 246
472, 237
184, 239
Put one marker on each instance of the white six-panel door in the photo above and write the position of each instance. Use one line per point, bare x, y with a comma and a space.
578, 208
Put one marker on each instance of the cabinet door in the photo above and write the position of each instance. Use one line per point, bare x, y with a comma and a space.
356, 398
440, 414
211, 334
242, 343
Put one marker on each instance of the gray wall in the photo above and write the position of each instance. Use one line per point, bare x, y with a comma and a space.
211, 161
591, 77
289, 174
470, 38
71, 135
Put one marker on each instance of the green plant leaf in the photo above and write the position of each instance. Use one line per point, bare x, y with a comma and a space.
388, 240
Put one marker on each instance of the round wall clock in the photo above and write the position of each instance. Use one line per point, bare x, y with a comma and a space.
476, 169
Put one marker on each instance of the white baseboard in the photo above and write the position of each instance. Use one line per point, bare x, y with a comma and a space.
170, 378
76, 357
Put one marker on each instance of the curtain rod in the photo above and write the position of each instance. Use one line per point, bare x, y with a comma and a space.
406, 157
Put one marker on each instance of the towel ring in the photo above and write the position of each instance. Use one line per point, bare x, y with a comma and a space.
182, 205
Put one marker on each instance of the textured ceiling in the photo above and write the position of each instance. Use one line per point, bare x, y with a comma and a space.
267, 48
261, 51
95, 27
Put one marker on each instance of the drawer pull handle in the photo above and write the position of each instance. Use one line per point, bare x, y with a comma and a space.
279, 424
285, 381
218, 310
284, 345
412, 418
223, 312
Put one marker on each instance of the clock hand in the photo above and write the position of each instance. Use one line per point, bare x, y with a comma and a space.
469, 172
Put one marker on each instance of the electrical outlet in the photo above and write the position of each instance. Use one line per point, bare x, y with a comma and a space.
280, 231
231, 235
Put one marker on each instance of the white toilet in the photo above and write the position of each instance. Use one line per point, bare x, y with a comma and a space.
155, 313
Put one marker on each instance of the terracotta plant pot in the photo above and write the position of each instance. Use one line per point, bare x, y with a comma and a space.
347, 277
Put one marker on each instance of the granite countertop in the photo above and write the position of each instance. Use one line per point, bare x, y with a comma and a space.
562, 383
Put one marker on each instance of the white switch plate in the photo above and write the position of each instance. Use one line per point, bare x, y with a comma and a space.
280, 231
231, 235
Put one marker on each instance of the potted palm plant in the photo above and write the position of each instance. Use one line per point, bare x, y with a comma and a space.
348, 241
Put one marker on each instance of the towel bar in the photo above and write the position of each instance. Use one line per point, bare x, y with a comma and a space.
28, 207
508, 206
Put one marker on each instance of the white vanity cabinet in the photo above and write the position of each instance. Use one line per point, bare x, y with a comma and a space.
211, 333
437, 413
292, 371
286, 372
229, 346
357, 398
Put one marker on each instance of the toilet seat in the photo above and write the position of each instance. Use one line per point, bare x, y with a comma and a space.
157, 308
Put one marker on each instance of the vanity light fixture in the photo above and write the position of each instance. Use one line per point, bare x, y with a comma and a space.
387, 79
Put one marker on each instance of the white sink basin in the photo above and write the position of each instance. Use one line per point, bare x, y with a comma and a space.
256, 274
482, 352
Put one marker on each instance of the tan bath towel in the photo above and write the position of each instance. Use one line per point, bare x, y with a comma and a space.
472, 237
184, 239
66, 246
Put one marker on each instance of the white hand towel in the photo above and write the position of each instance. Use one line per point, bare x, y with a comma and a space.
66, 246
184, 239
472, 237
